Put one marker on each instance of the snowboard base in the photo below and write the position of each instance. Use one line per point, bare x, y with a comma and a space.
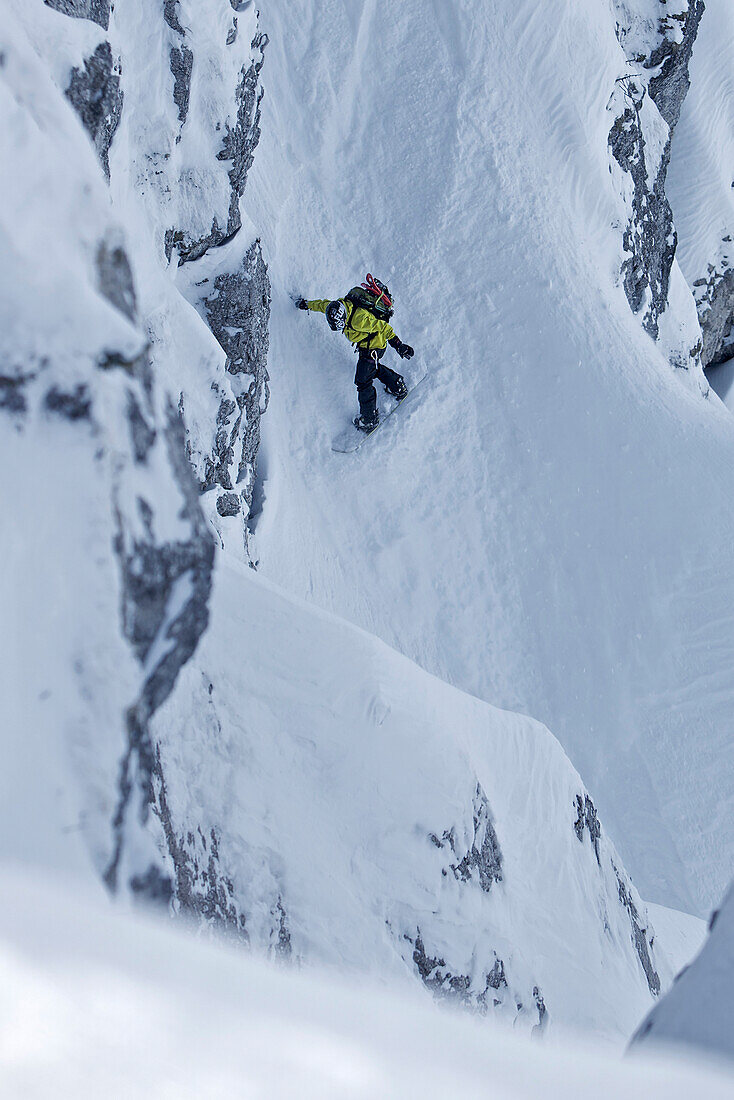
353, 438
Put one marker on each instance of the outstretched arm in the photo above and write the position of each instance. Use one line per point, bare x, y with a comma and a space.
318, 305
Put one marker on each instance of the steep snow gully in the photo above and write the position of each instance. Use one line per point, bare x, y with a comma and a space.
285, 723
550, 526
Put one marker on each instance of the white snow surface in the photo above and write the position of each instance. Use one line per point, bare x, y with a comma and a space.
116, 1005
325, 762
551, 525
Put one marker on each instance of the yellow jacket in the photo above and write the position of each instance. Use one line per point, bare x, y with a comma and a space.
361, 328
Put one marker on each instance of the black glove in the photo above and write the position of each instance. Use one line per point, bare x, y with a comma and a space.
405, 351
301, 303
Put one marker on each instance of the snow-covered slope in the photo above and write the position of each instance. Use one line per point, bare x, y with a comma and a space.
111, 1005
355, 811
548, 527
551, 526
698, 1011
312, 789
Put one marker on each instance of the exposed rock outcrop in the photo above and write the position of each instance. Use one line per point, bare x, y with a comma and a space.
96, 10
95, 95
648, 99
714, 295
238, 312
482, 861
237, 150
587, 822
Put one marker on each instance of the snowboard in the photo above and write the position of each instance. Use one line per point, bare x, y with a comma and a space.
352, 439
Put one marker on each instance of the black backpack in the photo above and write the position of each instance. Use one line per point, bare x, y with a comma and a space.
373, 296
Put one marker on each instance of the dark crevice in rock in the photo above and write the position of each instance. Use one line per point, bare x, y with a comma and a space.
165, 593
238, 313
96, 10
182, 63
587, 820
201, 887
639, 934
95, 94
483, 859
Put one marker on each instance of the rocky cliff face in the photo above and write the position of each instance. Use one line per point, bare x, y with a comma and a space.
657, 38
700, 185
145, 354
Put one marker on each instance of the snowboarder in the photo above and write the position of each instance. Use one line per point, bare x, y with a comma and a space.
363, 315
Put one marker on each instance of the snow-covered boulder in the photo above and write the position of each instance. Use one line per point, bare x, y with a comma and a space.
698, 1011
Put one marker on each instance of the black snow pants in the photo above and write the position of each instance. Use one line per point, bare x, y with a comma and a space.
369, 367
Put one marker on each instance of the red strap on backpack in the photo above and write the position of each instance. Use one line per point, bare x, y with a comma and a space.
373, 288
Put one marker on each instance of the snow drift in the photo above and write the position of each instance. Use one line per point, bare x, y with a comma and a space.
114, 1005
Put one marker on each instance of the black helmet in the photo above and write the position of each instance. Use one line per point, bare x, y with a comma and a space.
336, 315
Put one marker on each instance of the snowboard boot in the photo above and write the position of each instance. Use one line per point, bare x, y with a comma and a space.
401, 390
367, 425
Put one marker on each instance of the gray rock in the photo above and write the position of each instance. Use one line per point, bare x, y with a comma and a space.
639, 934
477, 996
670, 86
12, 395
74, 404
715, 304
650, 238
238, 313
201, 886
116, 278
182, 63
280, 937
170, 14
229, 504
96, 10
483, 860
150, 570
95, 94
587, 820
238, 147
